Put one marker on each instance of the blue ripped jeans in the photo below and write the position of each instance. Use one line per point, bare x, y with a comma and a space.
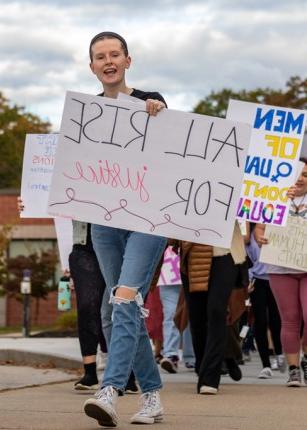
128, 258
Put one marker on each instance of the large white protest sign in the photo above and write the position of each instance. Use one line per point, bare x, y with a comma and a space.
270, 169
175, 175
38, 162
287, 246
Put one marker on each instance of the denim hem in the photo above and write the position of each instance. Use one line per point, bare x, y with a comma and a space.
157, 388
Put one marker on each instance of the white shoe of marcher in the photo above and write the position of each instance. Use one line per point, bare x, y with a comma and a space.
151, 410
206, 389
102, 408
266, 373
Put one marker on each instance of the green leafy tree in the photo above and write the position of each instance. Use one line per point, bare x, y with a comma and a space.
294, 96
15, 123
42, 268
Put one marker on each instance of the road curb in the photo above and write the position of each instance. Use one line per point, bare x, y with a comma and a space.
36, 358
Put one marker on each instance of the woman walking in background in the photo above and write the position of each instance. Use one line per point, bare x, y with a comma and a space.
289, 287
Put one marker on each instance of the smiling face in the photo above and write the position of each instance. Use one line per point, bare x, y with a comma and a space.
301, 183
109, 62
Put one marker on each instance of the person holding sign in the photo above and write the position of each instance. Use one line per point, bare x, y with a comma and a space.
289, 287
128, 261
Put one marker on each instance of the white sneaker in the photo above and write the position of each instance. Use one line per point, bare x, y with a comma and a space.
101, 360
205, 389
274, 363
102, 408
282, 365
266, 373
151, 411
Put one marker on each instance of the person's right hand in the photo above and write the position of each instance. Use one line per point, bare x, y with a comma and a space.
259, 231
20, 205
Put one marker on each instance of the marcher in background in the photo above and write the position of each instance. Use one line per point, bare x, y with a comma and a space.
127, 260
89, 286
289, 287
265, 311
209, 274
172, 338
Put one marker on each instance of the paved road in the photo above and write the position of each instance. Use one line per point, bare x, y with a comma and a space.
250, 404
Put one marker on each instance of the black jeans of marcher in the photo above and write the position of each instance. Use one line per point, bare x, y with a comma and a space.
89, 287
207, 313
266, 315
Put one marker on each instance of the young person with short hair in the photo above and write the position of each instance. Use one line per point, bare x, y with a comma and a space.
128, 261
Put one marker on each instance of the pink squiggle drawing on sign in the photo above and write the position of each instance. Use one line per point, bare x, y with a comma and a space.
70, 192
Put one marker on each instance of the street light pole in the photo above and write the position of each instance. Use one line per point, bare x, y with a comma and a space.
25, 288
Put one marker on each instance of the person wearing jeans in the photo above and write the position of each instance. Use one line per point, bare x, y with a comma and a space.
128, 261
169, 295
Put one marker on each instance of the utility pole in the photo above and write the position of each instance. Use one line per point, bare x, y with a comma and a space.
25, 289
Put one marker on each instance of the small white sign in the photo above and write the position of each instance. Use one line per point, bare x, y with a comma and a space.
38, 162
25, 287
287, 246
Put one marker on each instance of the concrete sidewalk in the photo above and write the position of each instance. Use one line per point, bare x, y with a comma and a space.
250, 404
236, 407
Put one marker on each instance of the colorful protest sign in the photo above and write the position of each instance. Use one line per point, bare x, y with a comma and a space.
270, 168
170, 270
38, 161
176, 175
287, 246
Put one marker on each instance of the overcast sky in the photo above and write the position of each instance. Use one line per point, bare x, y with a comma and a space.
184, 49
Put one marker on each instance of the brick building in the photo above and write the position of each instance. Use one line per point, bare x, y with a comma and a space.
28, 235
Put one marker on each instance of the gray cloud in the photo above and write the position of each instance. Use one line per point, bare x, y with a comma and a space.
183, 49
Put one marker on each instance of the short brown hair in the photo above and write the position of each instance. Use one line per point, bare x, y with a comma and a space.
108, 35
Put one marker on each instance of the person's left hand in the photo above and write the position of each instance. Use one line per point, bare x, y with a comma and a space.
291, 192
154, 106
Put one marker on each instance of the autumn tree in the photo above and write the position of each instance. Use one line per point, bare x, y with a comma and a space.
15, 123
293, 96
42, 266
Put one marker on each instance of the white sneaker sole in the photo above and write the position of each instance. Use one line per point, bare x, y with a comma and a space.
296, 384
207, 390
141, 419
104, 415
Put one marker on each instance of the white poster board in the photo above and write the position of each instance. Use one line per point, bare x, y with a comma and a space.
287, 246
38, 162
170, 270
176, 175
63, 227
270, 169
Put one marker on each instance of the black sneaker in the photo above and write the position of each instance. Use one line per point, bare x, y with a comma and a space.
294, 378
304, 369
234, 370
87, 383
131, 387
170, 364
